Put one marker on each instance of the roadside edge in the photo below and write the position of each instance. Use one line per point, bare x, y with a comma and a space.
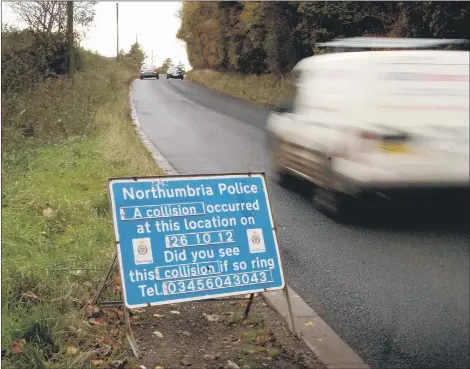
326, 344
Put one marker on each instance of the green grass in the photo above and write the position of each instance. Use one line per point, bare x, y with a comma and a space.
56, 229
265, 90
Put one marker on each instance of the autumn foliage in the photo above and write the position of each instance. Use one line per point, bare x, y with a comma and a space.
271, 37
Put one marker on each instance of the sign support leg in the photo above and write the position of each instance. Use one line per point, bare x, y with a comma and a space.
127, 320
129, 335
103, 282
289, 308
248, 307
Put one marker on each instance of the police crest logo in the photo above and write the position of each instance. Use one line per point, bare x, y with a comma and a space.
142, 251
256, 240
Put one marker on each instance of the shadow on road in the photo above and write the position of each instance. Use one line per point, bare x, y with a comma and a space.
417, 216
443, 214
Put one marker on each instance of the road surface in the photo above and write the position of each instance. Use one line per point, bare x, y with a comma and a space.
396, 289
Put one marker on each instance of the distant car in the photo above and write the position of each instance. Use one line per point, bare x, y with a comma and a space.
149, 71
175, 72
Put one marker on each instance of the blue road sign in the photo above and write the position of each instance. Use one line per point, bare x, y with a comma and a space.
187, 238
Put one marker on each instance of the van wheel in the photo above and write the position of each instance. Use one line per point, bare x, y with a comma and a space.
283, 177
333, 204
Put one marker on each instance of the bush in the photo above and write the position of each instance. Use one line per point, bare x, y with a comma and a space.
32, 57
266, 90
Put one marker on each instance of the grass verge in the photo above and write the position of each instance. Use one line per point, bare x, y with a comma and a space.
60, 142
265, 90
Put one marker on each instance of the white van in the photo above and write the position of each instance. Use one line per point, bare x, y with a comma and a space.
375, 122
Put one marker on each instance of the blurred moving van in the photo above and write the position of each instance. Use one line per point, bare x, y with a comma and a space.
375, 122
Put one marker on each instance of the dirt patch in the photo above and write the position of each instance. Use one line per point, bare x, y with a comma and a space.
211, 335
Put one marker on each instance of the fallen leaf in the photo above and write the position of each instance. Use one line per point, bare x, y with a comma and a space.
319, 339
30, 295
176, 312
185, 362
115, 332
259, 340
231, 365
99, 321
116, 283
308, 324
93, 311
158, 315
48, 212
72, 350
16, 347
158, 367
112, 343
97, 362
211, 318
158, 334
138, 311
119, 364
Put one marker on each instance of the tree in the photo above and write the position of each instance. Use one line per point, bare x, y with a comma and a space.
166, 64
47, 17
254, 37
137, 53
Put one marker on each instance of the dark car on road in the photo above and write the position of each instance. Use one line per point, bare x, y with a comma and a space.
175, 72
149, 71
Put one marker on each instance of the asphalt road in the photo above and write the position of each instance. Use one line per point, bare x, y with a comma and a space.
395, 288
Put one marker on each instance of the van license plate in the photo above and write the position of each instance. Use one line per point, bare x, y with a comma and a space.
394, 148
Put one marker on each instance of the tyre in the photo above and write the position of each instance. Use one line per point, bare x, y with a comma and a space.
158, 77
283, 177
141, 78
334, 204
182, 77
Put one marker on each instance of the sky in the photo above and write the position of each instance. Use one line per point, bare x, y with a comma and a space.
153, 23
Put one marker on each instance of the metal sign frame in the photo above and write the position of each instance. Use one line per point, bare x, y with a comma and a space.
263, 194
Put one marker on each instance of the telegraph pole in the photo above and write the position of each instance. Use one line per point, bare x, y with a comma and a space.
71, 55
117, 31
